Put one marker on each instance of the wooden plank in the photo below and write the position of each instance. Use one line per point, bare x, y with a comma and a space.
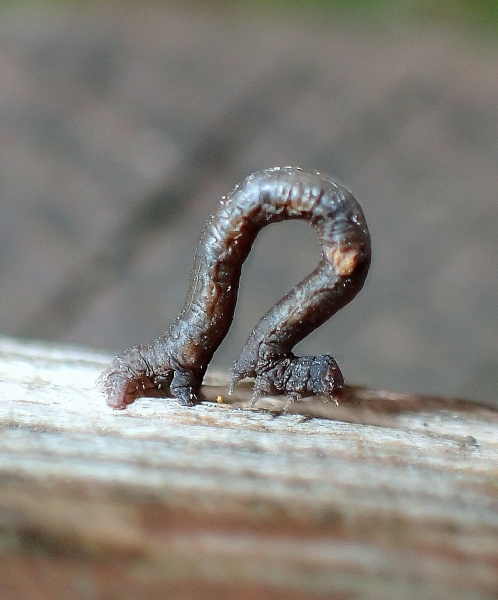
386, 495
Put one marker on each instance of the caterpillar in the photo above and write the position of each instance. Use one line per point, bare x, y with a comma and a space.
175, 363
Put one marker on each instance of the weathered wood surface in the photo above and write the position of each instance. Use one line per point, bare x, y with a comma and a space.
385, 496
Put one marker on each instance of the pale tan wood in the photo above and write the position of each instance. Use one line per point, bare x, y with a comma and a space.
384, 496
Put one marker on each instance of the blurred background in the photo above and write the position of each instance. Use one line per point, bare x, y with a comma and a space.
122, 124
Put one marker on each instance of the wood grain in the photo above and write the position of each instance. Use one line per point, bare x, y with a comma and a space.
385, 496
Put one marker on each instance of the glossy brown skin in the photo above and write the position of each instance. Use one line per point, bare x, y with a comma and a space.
175, 363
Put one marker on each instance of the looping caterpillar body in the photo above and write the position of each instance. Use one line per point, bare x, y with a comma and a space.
176, 362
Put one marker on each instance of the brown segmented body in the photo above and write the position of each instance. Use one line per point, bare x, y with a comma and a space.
176, 363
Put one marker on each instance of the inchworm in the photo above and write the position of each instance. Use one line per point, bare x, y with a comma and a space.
176, 363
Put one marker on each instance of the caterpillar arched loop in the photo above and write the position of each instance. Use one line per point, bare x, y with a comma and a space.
175, 364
